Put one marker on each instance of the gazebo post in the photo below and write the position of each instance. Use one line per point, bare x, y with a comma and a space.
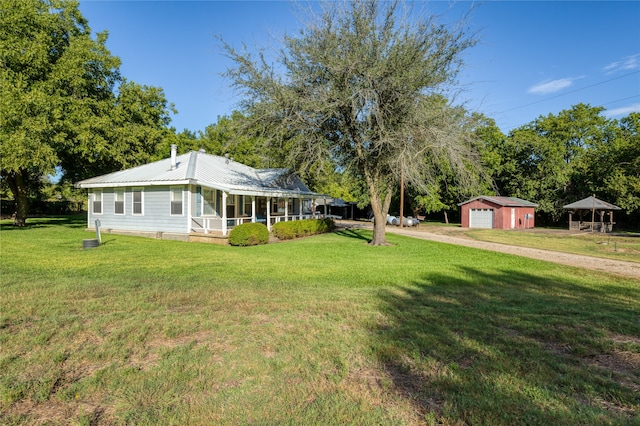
593, 213
579, 220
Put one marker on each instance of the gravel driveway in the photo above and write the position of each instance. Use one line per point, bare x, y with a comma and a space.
617, 267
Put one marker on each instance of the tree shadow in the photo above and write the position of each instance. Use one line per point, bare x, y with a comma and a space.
351, 233
509, 347
72, 221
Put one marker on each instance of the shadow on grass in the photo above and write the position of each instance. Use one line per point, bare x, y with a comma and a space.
72, 221
513, 348
350, 233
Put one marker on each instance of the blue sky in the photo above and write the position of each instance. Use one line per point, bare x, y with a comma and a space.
533, 58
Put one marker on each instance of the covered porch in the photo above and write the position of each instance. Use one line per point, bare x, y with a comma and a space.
218, 211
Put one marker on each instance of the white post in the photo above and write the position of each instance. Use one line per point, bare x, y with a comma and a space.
224, 213
300, 203
253, 208
286, 209
189, 209
269, 213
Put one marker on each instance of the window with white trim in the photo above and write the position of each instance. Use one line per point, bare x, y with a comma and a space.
118, 201
138, 201
97, 201
209, 202
277, 205
176, 201
231, 206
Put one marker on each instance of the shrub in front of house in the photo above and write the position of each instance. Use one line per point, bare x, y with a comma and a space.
302, 228
284, 230
325, 225
249, 234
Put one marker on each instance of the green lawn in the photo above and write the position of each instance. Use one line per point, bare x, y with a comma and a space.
322, 330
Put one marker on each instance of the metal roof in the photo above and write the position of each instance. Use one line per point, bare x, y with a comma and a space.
503, 201
591, 203
199, 168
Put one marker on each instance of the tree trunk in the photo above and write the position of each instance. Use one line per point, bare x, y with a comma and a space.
446, 217
16, 183
379, 229
380, 209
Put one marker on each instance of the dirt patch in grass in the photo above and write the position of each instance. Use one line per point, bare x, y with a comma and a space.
625, 366
622, 365
393, 389
59, 412
150, 357
622, 338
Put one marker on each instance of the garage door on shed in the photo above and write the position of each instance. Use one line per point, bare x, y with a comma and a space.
481, 218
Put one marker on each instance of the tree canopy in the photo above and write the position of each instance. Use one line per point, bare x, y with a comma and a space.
63, 102
358, 90
561, 158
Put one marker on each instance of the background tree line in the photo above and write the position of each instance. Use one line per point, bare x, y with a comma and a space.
67, 111
561, 158
553, 161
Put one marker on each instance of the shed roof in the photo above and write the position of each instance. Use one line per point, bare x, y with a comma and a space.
200, 168
335, 202
591, 203
503, 201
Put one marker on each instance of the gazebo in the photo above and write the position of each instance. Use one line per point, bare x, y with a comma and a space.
598, 210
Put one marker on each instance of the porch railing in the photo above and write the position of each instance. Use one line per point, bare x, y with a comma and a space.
208, 224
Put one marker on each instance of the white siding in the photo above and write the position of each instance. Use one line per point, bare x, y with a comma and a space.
156, 212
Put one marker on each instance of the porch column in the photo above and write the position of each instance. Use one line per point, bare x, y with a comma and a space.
300, 203
224, 213
269, 213
286, 209
189, 209
253, 208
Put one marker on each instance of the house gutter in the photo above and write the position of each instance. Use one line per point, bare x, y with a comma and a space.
229, 190
88, 185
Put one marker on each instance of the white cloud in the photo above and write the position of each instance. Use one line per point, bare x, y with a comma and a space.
626, 110
628, 63
553, 86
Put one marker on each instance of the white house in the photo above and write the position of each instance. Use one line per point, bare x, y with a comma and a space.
194, 193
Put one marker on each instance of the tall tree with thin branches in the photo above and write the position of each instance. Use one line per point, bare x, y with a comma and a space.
360, 88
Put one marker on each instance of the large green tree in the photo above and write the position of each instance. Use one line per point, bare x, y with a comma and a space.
451, 186
612, 166
225, 138
55, 89
58, 102
137, 125
545, 161
354, 90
